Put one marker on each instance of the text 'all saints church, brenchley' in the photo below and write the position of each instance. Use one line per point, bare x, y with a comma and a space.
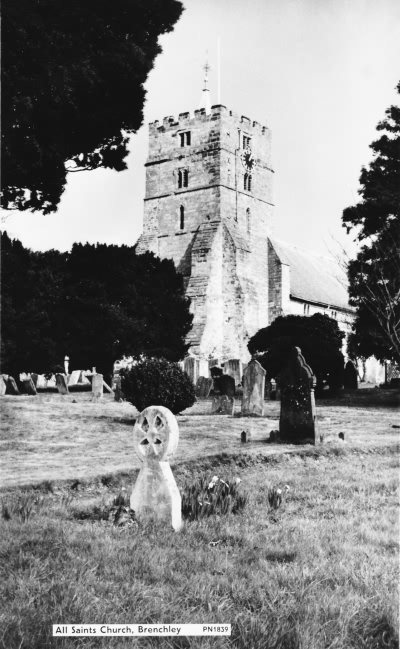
208, 206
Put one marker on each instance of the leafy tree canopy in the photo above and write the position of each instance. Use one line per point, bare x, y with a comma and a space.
318, 337
374, 276
72, 80
94, 304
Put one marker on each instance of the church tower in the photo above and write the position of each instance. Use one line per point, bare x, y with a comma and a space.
208, 206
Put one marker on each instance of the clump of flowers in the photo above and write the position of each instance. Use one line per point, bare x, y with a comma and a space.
216, 496
276, 496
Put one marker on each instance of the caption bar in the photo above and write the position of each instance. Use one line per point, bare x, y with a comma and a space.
62, 630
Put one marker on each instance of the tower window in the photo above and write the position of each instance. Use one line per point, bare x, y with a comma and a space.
185, 138
246, 141
181, 217
247, 182
180, 179
248, 223
185, 178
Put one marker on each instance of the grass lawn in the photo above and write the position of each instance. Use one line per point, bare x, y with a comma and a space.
320, 572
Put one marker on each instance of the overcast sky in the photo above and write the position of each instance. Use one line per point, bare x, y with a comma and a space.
320, 74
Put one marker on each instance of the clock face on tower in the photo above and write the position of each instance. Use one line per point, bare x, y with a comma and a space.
248, 160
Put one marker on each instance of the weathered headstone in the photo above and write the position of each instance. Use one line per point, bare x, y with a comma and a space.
245, 436
97, 386
223, 405
3, 387
203, 387
73, 378
29, 387
225, 385
119, 395
11, 386
155, 494
297, 423
253, 389
61, 384
34, 378
350, 377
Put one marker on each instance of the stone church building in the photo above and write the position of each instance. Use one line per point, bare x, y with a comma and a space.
209, 207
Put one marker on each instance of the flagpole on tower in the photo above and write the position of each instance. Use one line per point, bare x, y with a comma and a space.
219, 70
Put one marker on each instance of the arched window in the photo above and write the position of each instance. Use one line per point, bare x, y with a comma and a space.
180, 179
246, 178
181, 217
185, 178
248, 223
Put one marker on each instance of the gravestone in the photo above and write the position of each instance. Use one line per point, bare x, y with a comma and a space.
41, 382
97, 386
253, 389
223, 405
51, 383
225, 384
61, 384
203, 387
350, 377
107, 388
11, 386
245, 436
29, 387
233, 368
297, 423
3, 386
74, 377
34, 378
119, 395
86, 377
155, 494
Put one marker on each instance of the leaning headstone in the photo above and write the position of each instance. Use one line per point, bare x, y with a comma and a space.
107, 388
350, 377
297, 423
253, 389
29, 387
155, 494
3, 387
11, 386
34, 378
226, 385
223, 405
73, 378
61, 384
97, 386
203, 387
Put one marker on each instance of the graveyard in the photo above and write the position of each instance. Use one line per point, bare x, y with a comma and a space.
317, 569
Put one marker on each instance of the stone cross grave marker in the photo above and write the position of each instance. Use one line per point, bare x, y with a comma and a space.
155, 494
12, 387
203, 387
253, 389
297, 423
97, 387
61, 383
350, 377
223, 405
29, 386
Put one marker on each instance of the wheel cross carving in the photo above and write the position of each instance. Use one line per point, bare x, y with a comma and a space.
156, 434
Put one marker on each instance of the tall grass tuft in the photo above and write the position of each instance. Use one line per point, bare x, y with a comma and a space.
216, 496
21, 506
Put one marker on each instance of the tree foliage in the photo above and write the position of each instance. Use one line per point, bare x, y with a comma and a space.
157, 382
318, 337
72, 79
94, 304
374, 276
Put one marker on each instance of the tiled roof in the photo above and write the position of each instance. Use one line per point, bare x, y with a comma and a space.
313, 278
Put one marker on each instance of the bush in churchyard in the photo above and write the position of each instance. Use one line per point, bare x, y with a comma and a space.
157, 382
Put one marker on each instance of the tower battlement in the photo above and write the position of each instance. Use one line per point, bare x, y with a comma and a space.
170, 123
